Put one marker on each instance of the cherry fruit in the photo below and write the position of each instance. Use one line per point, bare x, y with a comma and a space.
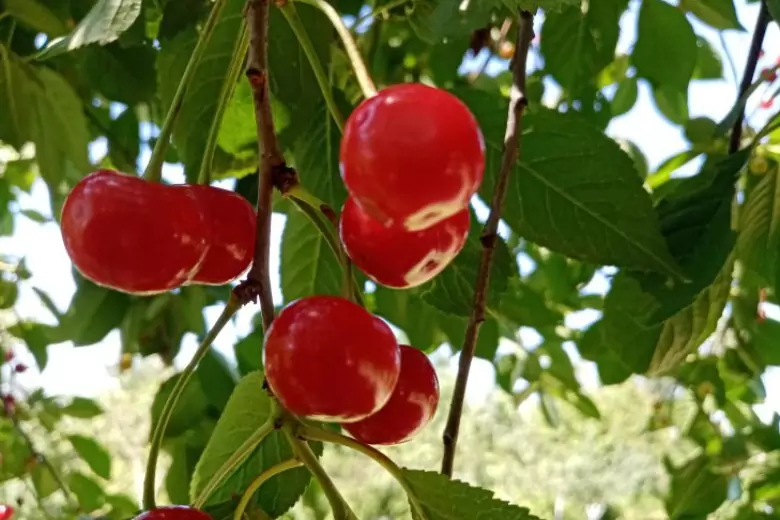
410, 408
173, 513
329, 359
395, 257
6, 512
412, 155
132, 235
232, 221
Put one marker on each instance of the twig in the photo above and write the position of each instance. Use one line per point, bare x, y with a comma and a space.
271, 158
750, 70
517, 105
40, 457
729, 57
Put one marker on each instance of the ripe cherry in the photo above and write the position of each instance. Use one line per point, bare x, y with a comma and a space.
410, 408
6, 512
412, 155
132, 235
173, 513
395, 257
232, 221
329, 359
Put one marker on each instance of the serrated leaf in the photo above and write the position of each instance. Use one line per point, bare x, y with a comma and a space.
308, 264
104, 23
95, 455
665, 57
36, 15
452, 291
573, 190
201, 101
578, 43
445, 499
719, 14
124, 74
696, 221
759, 228
93, 312
215, 374
248, 409
407, 310
82, 408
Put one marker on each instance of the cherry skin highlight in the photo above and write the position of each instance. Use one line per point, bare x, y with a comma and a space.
412, 155
173, 513
132, 235
395, 257
328, 359
6, 512
410, 408
232, 221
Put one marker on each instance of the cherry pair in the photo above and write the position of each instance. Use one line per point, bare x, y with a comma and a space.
329, 359
141, 237
411, 158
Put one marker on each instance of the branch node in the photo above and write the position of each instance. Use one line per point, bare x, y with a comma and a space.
284, 178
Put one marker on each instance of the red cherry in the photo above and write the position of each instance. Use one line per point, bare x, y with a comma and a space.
410, 408
398, 258
173, 513
329, 359
6, 512
769, 75
232, 221
412, 155
132, 235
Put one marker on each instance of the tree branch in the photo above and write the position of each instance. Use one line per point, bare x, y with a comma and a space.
750, 71
517, 105
272, 164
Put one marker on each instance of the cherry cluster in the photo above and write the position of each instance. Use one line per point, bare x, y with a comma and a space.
142, 237
411, 158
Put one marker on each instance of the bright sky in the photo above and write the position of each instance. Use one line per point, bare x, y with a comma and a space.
91, 370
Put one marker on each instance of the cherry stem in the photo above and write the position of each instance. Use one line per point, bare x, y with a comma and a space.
228, 87
291, 14
230, 309
355, 58
750, 70
269, 152
264, 477
325, 220
315, 433
517, 105
341, 510
153, 170
238, 457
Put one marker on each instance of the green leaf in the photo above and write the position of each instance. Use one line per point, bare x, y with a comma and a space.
249, 352
759, 228
578, 43
452, 291
665, 57
574, 190
36, 15
625, 97
708, 62
94, 311
38, 337
672, 103
202, 98
407, 310
45, 483
88, 492
525, 306
215, 374
9, 292
695, 490
192, 404
774, 9
720, 14
696, 221
104, 23
124, 74
445, 499
248, 409
309, 265
95, 455
82, 408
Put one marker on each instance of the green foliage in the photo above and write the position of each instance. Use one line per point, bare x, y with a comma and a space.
696, 257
